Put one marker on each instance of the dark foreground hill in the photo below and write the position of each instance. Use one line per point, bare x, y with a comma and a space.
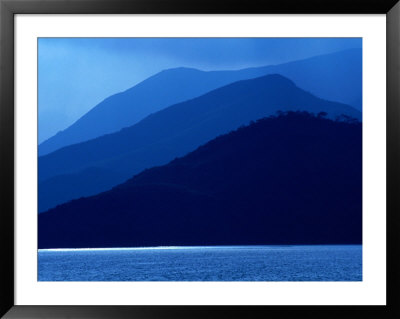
290, 179
68, 173
335, 77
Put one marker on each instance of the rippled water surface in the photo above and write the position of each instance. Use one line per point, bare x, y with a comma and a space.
220, 263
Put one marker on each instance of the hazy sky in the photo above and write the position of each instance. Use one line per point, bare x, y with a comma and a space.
75, 74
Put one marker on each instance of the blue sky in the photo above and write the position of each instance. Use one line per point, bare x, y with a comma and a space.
77, 73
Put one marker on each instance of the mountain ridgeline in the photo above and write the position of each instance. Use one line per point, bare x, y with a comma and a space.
294, 178
172, 132
334, 77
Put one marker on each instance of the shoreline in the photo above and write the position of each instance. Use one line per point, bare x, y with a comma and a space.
185, 247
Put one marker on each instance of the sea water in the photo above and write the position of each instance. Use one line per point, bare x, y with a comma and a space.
208, 263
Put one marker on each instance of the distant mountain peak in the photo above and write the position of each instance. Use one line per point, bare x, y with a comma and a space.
273, 82
181, 69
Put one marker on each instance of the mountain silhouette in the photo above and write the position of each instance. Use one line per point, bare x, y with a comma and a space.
335, 77
170, 133
289, 179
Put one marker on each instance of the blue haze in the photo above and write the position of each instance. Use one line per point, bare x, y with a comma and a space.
229, 263
334, 77
75, 74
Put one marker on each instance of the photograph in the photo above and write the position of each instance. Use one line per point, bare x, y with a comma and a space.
175, 159
200, 159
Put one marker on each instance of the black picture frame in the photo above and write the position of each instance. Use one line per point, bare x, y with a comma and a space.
8, 8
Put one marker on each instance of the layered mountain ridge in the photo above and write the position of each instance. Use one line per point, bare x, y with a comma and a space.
288, 179
169, 133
